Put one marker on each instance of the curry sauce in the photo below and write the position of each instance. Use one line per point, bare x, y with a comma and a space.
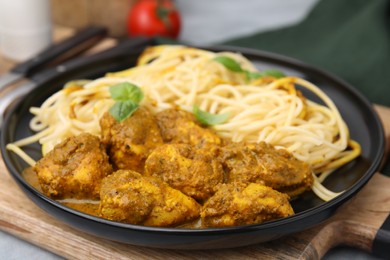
85, 206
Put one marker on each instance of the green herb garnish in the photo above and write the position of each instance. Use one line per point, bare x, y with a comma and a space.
229, 63
233, 65
127, 97
265, 73
209, 119
126, 91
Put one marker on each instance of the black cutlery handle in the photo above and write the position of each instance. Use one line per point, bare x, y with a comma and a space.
67, 48
125, 46
381, 244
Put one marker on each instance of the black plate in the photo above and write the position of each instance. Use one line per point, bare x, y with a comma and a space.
363, 122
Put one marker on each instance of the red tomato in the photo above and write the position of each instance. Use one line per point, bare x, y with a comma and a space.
154, 17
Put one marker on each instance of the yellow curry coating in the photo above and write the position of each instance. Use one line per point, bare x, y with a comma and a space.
237, 204
127, 196
169, 166
131, 141
262, 163
74, 168
179, 126
195, 172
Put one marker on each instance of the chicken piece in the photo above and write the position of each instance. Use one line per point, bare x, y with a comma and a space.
129, 197
131, 141
74, 168
262, 163
192, 171
179, 126
237, 204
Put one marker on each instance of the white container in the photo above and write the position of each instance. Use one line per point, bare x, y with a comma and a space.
25, 28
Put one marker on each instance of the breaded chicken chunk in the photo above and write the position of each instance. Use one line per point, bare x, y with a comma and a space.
129, 197
131, 141
74, 168
237, 204
195, 172
262, 163
179, 126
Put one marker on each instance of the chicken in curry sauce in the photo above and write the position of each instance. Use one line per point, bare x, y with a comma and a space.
167, 170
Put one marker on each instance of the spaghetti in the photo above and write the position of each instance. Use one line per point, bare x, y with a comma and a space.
265, 109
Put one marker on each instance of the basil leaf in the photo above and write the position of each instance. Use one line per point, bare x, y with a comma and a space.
253, 75
233, 65
209, 119
126, 91
265, 73
229, 63
123, 109
273, 73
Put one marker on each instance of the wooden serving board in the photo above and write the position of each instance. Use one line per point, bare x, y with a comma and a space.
355, 223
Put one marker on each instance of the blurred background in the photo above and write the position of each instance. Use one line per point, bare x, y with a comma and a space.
202, 21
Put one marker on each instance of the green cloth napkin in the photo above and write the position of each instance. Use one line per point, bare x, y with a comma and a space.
349, 38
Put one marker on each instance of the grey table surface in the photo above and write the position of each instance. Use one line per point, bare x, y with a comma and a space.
208, 22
